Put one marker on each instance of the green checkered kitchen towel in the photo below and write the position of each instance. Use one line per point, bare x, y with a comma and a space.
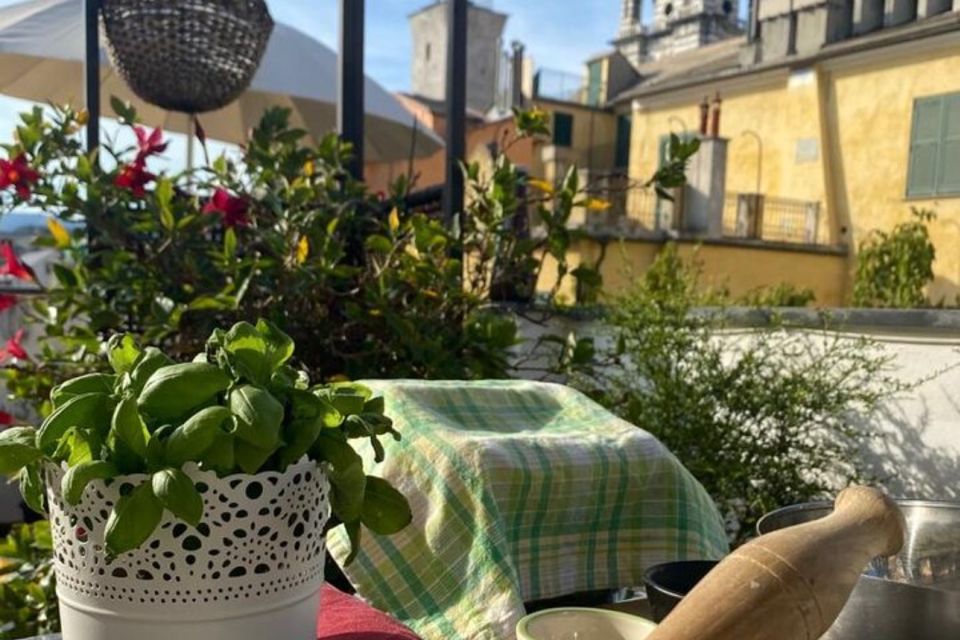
520, 491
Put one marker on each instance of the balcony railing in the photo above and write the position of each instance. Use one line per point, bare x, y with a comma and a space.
750, 215
553, 84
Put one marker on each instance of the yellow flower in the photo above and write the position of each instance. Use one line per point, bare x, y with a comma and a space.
308, 168
83, 117
596, 204
411, 250
303, 250
542, 185
394, 220
60, 234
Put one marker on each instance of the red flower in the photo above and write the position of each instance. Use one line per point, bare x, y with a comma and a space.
13, 348
6, 419
232, 209
12, 266
134, 177
149, 144
7, 301
18, 174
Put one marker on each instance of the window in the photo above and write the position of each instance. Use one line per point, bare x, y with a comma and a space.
595, 95
622, 152
562, 129
935, 147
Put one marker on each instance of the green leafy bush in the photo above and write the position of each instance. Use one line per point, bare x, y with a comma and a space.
28, 599
238, 407
894, 268
762, 419
785, 294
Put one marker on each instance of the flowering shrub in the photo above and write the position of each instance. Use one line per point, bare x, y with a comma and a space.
366, 287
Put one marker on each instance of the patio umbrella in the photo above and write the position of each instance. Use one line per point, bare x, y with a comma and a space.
41, 58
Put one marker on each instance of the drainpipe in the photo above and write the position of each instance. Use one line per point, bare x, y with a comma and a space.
753, 31
715, 122
704, 115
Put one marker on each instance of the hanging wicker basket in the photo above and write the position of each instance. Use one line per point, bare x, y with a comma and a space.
187, 55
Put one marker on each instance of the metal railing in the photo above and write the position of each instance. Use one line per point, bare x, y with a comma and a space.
553, 84
759, 216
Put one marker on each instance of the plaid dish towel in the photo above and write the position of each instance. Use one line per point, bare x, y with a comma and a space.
520, 491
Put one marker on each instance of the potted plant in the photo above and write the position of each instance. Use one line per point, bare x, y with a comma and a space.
190, 500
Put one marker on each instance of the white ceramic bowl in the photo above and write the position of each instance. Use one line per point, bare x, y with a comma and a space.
574, 623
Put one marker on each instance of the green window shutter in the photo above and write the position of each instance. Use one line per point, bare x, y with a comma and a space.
949, 164
622, 153
595, 84
562, 129
925, 146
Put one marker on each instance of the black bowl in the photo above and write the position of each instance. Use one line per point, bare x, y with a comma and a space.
667, 583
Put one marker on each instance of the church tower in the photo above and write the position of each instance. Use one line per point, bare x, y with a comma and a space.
677, 26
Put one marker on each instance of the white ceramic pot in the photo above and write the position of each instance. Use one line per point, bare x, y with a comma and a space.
252, 569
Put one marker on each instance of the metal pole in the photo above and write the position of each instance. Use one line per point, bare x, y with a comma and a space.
456, 111
350, 106
92, 72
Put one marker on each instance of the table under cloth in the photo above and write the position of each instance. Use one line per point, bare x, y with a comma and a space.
520, 491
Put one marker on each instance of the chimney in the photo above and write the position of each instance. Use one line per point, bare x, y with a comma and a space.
704, 115
715, 121
516, 90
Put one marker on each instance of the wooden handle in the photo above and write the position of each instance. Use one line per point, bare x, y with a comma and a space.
790, 584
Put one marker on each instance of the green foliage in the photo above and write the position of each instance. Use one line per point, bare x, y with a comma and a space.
28, 600
762, 419
247, 413
894, 268
785, 294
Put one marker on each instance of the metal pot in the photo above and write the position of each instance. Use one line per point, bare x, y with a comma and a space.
914, 595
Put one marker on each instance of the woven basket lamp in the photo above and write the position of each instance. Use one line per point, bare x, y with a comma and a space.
190, 56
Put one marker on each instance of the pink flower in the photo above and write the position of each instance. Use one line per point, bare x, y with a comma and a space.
7, 301
232, 209
18, 174
13, 348
134, 177
12, 265
149, 144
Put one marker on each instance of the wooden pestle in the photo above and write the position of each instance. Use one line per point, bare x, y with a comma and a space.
792, 583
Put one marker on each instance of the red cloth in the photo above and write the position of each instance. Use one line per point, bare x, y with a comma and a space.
344, 617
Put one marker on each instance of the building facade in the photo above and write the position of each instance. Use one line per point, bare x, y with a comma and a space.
834, 120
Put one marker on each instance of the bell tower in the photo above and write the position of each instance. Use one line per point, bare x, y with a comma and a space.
631, 17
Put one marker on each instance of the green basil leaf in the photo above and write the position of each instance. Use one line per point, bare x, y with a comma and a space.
133, 520
219, 457
299, 435
191, 439
78, 445
91, 410
347, 479
177, 493
259, 416
279, 344
33, 488
89, 383
250, 458
385, 510
246, 352
150, 361
354, 533
128, 427
122, 352
76, 479
18, 448
174, 391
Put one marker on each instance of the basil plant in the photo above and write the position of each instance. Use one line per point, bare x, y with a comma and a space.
239, 407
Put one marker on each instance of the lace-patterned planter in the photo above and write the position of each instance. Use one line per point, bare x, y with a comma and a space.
251, 570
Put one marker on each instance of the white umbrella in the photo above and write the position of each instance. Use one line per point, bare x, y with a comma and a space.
41, 59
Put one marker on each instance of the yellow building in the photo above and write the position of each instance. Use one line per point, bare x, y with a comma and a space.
839, 126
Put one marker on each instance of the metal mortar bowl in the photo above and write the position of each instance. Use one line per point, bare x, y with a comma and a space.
912, 596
